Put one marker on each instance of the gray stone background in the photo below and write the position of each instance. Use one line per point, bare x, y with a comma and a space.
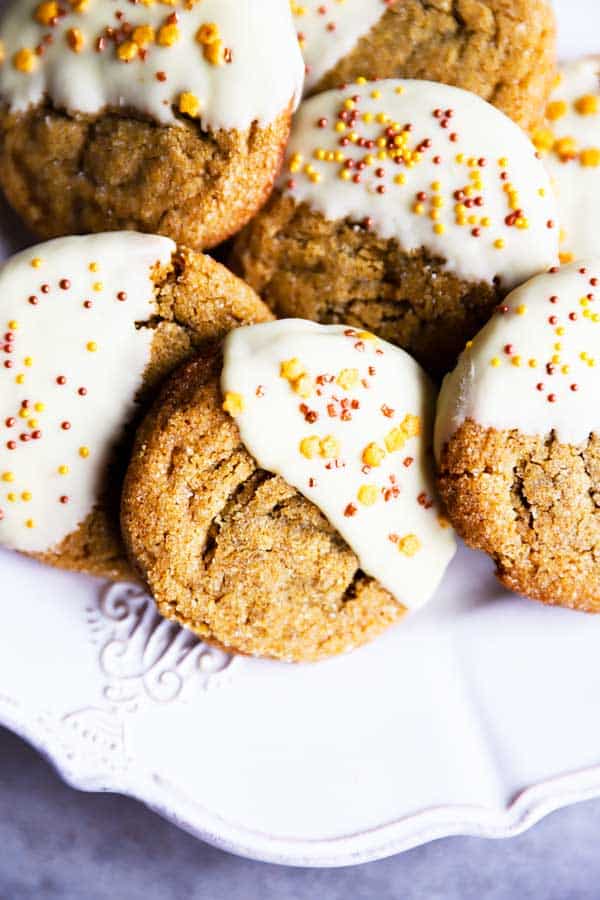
57, 844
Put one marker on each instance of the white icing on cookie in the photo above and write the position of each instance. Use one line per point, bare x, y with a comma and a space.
432, 166
346, 419
329, 31
71, 362
570, 142
535, 366
227, 62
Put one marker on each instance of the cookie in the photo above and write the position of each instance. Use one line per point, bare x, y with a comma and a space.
279, 499
164, 118
405, 207
518, 439
503, 50
90, 326
569, 141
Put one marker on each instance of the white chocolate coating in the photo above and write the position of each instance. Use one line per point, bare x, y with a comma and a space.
570, 141
535, 366
263, 76
329, 31
69, 373
355, 391
467, 186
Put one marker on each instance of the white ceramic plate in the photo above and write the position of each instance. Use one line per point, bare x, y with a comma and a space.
477, 716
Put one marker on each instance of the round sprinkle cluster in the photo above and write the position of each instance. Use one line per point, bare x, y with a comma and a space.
126, 41
36, 422
571, 350
370, 150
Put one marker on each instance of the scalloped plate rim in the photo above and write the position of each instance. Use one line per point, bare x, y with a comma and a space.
525, 810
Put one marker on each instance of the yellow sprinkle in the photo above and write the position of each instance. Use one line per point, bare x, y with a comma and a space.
168, 35
556, 110
399, 89
144, 35
339, 126
127, 51
503, 162
46, 13
409, 545
40, 407
33, 423
233, 403
36, 262
189, 104
63, 470
587, 105
309, 446
367, 494
373, 455
25, 60
361, 80
566, 148
303, 386
26, 496
521, 309
30, 523
98, 286
208, 33
291, 369
84, 452
565, 369
439, 228
20, 379
214, 53
13, 325
91, 346
495, 362
532, 364
12, 498
348, 379
28, 361
516, 361
93, 267
542, 192
543, 139
590, 157
329, 447
8, 477
400, 179
375, 95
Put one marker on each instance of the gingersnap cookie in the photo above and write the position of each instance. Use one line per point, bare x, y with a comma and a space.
503, 50
518, 440
169, 118
90, 326
569, 141
406, 207
279, 499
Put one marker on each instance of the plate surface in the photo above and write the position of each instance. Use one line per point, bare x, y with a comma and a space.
477, 716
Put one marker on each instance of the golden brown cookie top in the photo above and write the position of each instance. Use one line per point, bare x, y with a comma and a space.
228, 62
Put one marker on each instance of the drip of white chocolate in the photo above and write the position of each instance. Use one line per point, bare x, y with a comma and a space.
346, 419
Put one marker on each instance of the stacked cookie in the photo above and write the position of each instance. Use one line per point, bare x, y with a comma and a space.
277, 494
